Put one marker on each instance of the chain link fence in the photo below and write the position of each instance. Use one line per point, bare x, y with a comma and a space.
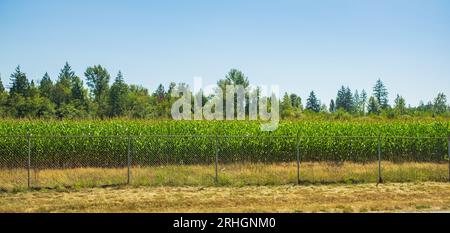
95, 161
256, 160
345, 159
14, 162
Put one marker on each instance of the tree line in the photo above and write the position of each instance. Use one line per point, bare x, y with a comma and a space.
68, 98
348, 103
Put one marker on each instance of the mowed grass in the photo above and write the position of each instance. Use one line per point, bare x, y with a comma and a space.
389, 197
233, 175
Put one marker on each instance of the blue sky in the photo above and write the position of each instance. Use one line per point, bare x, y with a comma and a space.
298, 45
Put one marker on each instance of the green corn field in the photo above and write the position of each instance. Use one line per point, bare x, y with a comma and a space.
68, 144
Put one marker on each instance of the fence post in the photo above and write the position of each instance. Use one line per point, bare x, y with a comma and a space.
298, 158
129, 160
216, 159
380, 179
29, 161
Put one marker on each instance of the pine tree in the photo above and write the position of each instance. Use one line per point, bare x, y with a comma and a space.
63, 86
344, 99
19, 83
3, 100
77, 90
2, 88
67, 72
363, 101
312, 103
118, 96
349, 100
373, 107
332, 106
381, 94
172, 87
340, 98
160, 93
46, 86
356, 102
33, 90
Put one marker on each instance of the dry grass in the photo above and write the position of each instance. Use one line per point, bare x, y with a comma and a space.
392, 197
229, 175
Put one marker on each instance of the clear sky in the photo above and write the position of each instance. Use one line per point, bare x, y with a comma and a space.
299, 45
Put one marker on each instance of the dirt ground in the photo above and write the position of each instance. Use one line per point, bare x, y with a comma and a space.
390, 197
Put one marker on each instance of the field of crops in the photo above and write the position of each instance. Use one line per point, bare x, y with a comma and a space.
96, 153
411, 128
66, 144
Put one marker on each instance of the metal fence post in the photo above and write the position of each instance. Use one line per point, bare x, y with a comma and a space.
129, 160
216, 159
29, 161
298, 158
380, 179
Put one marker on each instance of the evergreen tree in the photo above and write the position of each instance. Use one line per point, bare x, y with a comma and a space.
373, 106
332, 106
349, 100
171, 89
162, 104
66, 72
160, 93
19, 83
33, 90
363, 101
356, 102
2, 88
63, 86
340, 98
3, 101
381, 94
78, 92
344, 99
46, 86
118, 96
15, 102
79, 100
312, 103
